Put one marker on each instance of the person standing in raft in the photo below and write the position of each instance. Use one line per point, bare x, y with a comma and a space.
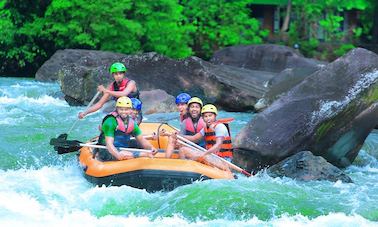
136, 112
182, 105
217, 138
117, 128
120, 87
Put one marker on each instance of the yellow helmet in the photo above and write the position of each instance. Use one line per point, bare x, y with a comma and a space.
124, 102
209, 108
195, 100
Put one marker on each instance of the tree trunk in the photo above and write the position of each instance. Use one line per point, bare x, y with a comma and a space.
285, 24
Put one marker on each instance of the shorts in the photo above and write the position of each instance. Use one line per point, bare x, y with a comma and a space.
105, 156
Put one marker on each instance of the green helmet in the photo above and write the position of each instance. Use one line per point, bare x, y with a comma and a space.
117, 67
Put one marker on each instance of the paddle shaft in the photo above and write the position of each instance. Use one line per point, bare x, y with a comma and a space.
199, 148
89, 105
120, 148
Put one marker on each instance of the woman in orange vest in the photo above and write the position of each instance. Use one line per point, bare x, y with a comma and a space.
217, 139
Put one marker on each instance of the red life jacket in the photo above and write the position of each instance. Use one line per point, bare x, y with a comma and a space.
226, 149
191, 129
121, 125
122, 133
120, 87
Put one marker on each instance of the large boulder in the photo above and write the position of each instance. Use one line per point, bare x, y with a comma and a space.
330, 113
231, 88
305, 166
266, 57
49, 70
282, 83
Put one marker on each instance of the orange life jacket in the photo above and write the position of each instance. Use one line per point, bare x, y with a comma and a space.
226, 149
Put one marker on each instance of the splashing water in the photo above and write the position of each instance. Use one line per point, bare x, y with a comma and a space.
39, 187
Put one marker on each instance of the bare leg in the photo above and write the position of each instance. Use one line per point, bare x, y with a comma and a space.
186, 152
216, 162
131, 155
170, 147
210, 160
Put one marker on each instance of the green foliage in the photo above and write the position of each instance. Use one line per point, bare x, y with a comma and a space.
221, 23
31, 31
331, 25
326, 16
100, 24
366, 19
16, 50
162, 27
309, 48
343, 49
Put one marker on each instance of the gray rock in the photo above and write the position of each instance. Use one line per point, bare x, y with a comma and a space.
330, 113
50, 69
157, 101
154, 101
305, 166
282, 83
266, 57
230, 88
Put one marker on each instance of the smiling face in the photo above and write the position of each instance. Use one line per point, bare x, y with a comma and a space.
118, 76
181, 107
209, 118
124, 111
134, 113
194, 110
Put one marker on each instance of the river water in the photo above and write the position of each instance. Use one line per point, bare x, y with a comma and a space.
39, 187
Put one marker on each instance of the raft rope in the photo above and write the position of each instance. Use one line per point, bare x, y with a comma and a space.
158, 132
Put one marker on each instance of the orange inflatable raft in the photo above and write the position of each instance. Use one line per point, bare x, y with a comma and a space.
152, 174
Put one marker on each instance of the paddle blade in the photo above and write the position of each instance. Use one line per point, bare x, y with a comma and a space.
63, 146
62, 150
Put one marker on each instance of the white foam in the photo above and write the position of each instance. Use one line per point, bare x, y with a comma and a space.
60, 197
11, 121
43, 100
40, 216
328, 109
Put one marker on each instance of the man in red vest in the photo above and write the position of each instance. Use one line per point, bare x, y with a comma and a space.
121, 86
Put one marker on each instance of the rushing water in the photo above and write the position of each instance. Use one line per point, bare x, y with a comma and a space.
39, 187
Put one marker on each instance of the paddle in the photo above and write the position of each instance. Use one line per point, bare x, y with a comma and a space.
199, 148
195, 146
63, 137
68, 146
63, 146
89, 105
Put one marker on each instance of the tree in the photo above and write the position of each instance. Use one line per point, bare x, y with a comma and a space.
162, 27
17, 50
220, 23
